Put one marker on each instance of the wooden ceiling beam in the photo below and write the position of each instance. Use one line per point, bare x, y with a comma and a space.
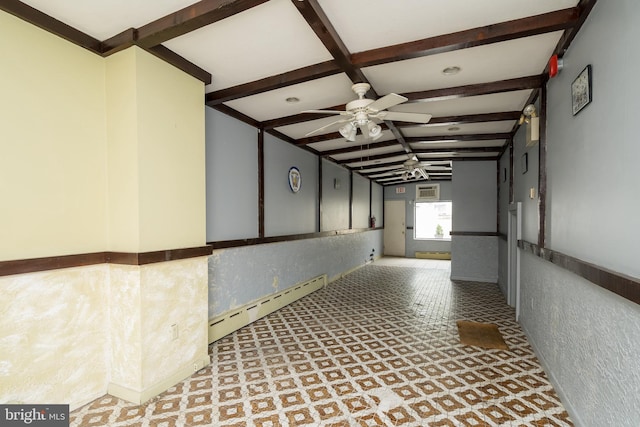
458, 138
366, 158
460, 120
180, 62
520, 83
300, 75
320, 24
365, 169
50, 24
417, 152
190, 18
530, 82
584, 7
524, 27
356, 148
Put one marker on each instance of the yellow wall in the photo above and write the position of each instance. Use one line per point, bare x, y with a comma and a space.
96, 155
171, 138
52, 145
155, 117
122, 159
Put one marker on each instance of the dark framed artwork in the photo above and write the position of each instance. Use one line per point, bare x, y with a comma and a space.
524, 163
581, 94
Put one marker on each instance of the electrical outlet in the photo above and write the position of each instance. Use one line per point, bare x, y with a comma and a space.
196, 367
174, 331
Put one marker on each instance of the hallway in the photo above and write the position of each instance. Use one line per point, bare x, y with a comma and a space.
378, 347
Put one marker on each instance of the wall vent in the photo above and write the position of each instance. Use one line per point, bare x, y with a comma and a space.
233, 320
427, 192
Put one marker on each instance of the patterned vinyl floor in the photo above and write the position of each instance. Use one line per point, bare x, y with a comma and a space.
378, 347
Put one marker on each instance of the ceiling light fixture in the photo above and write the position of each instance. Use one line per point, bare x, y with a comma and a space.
530, 117
292, 99
348, 131
375, 131
450, 71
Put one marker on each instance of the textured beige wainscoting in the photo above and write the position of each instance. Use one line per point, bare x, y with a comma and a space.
53, 336
146, 356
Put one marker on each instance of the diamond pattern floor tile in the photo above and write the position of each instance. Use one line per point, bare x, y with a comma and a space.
378, 347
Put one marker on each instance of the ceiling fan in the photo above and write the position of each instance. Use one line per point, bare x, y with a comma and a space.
361, 112
414, 168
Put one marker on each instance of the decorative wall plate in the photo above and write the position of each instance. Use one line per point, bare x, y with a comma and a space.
295, 179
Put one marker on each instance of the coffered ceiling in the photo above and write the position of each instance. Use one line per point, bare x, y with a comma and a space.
255, 55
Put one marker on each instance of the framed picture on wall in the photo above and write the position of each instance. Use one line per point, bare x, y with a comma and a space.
581, 90
524, 163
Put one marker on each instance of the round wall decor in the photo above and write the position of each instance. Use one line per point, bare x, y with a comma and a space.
295, 179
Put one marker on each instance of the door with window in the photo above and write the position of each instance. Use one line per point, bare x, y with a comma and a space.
394, 228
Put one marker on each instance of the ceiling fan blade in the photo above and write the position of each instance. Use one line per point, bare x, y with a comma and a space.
423, 173
326, 112
327, 126
405, 117
435, 168
386, 101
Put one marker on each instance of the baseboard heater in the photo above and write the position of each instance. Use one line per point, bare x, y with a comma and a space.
433, 255
233, 320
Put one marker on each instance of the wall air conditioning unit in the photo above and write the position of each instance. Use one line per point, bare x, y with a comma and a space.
427, 192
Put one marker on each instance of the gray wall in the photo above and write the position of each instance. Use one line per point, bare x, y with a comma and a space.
335, 201
411, 244
238, 276
589, 338
474, 210
524, 181
233, 212
360, 201
377, 203
475, 196
286, 212
503, 214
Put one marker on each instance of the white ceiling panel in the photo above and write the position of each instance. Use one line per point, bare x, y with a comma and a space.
104, 19
459, 144
454, 154
368, 24
300, 130
497, 102
366, 153
334, 144
251, 49
316, 94
504, 126
252, 45
400, 158
483, 64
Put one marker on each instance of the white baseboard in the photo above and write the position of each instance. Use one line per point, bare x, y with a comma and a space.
233, 320
139, 397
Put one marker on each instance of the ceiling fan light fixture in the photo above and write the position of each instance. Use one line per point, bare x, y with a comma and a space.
348, 131
375, 131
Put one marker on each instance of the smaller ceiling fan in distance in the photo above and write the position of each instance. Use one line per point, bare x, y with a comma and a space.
414, 168
360, 114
